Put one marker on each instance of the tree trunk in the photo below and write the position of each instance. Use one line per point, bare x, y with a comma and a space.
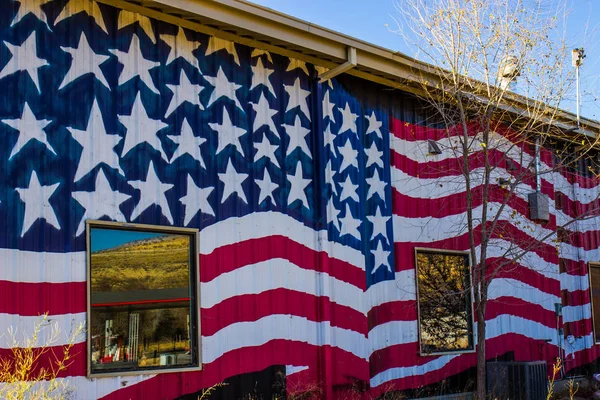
481, 370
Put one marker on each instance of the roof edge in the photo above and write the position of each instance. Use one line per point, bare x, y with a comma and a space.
258, 26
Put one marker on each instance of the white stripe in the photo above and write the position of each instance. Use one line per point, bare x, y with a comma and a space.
36, 267
402, 288
401, 332
576, 313
428, 229
435, 188
289, 327
292, 369
418, 150
265, 224
573, 283
82, 388
403, 372
279, 273
495, 327
506, 287
24, 327
42, 267
575, 253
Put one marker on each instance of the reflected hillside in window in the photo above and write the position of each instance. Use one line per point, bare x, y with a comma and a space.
141, 299
131, 260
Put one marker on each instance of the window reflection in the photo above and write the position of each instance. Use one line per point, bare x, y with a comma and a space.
445, 322
595, 294
140, 300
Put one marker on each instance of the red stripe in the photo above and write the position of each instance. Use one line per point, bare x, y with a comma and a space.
504, 230
125, 303
392, 311
231, 257
252, 307
335, 366
454, 204
32, 299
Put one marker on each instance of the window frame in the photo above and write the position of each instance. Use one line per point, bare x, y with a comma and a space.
194, 272
473, 348
590, 289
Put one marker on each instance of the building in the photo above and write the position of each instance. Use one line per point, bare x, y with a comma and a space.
135, 137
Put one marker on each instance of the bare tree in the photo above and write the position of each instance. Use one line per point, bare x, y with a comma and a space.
497, 74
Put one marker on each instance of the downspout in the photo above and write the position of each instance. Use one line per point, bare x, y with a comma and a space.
349, 64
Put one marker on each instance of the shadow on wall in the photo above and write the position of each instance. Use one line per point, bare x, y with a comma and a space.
263, 385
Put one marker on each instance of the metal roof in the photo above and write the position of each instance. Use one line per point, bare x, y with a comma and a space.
261, 27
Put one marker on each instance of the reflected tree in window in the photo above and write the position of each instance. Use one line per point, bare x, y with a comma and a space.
444, 299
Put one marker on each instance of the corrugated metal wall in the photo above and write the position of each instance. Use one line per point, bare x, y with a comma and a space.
310, 199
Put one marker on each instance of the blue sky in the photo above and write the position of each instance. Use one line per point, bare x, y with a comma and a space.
103, 239
366, 20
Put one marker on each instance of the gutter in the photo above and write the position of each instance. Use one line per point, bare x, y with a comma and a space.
260, 27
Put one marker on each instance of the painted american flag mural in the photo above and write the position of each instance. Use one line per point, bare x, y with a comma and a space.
310, 198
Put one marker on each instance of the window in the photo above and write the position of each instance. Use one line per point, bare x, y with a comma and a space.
444, 301
142, 298
595, 295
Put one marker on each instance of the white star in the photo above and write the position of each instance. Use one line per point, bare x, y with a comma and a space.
379, 224
328, 138
349, 190
329, 175
24, 58
215, 44
223, 88
31, 7
297, 134
374, 156
266, 188
141, 129
348, 120
328, 107
376, 186
152, 191
232, 181
321, 70
134, 64
184, 92
187, 143
298, 97
381, 258
74, 7
30, 128
264, 115
260, 52
295, 64
349, 156
196, 200
84, 61
181, 47
374, 125
37, 203
298, 185
265, 149
98, 146
127, 18
332, 214
260, 76
102, 202
228, 133
350, 225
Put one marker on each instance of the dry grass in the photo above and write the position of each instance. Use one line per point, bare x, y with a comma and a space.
31, 370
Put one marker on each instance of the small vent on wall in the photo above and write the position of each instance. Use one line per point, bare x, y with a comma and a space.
433, 147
